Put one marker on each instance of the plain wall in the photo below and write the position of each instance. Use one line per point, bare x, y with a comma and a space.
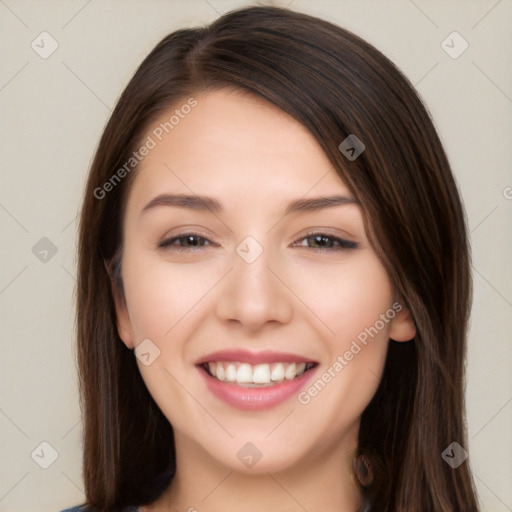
53, 110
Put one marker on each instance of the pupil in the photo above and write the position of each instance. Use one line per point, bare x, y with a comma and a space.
321, 240
192, 240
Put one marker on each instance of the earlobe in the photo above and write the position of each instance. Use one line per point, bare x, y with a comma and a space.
402, 326
123, 323
124, 326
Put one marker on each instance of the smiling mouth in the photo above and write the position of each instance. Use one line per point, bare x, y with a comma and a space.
255, 375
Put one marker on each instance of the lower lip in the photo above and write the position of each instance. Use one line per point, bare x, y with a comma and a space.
255, 399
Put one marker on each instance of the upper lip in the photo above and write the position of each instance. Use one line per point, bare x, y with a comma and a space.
245, 356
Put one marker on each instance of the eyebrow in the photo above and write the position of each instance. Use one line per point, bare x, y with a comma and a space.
204, 203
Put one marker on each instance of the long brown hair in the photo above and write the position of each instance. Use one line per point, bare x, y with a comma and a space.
335, 84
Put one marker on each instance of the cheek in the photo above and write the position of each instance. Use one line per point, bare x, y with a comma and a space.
161, 307
160, 297
347, 298
355, 304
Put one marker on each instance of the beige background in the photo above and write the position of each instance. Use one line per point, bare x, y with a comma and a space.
53, 110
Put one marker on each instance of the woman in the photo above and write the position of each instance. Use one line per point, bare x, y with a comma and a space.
274, 282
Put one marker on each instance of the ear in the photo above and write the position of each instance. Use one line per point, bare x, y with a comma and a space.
402, 326
123, 322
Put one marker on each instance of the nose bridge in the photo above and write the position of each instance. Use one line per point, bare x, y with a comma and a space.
253, 295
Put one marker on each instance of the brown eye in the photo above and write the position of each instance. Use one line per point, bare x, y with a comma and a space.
183, 242
324, 241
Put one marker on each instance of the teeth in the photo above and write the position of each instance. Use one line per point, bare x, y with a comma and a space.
256, 375
244, 373
261, 374
220, 372
230, 372
289, 373
277, 373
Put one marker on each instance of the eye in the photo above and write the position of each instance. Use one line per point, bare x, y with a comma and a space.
324, 241
185, 242
320, 241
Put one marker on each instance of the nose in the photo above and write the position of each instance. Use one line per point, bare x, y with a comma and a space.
252, 295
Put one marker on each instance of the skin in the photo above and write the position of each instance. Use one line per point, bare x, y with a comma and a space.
296, 297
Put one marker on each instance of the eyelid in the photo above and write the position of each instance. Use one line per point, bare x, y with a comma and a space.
182, 231
333, 232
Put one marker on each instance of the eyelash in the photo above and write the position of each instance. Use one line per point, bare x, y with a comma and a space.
343, 244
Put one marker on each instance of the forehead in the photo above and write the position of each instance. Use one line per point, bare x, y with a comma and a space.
233, 144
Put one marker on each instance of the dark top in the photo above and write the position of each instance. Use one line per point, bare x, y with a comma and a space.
83, 508
160, 483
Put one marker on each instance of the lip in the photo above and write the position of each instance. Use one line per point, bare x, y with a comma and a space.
255, 398
245, 356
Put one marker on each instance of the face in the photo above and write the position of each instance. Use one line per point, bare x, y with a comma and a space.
259, 315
